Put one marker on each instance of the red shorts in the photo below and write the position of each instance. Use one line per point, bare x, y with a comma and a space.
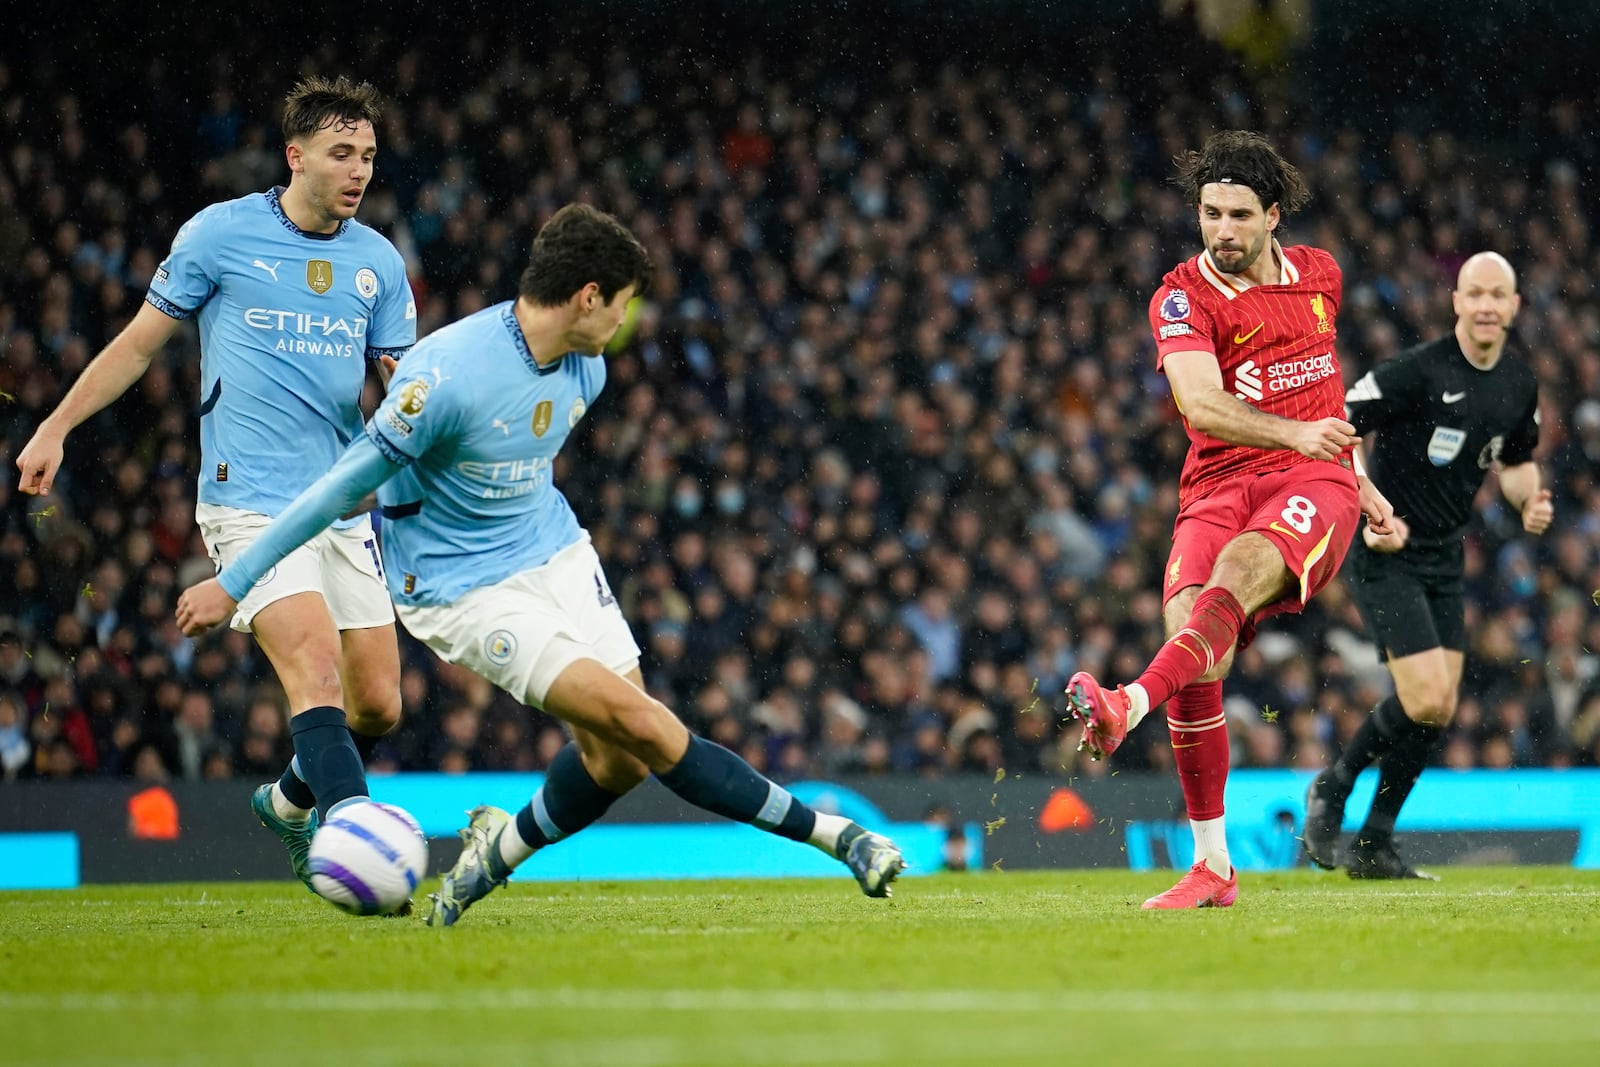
1310, 512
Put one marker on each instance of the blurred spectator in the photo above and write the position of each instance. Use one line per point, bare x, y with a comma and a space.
930, 622
193, 735
15, 748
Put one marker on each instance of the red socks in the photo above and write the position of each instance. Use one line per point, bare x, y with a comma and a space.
1210, 633
1200, 747
1194, 709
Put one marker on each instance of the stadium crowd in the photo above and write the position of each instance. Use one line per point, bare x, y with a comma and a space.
883, 459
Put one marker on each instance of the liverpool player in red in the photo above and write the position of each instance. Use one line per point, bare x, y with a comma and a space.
1269, 497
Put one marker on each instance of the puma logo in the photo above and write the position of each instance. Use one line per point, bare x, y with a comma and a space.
272, 270
1238, 340
501, 425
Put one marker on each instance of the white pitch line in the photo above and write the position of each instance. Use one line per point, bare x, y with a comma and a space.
968, 1001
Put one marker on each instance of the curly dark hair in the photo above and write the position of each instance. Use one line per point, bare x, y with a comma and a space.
316, 102
579, 245
1242, 157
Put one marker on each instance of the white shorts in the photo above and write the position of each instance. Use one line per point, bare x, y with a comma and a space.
342, 566
521, 633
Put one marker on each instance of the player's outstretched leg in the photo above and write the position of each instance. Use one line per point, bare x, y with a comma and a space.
1375, 857
1324, 816
711, 777
1200, 888
479, 870
615, 708
295, 834
1104, 713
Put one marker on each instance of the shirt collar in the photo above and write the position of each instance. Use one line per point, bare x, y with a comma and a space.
275, 201
508, 316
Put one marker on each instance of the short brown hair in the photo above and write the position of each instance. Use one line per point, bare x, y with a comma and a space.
1242, 157
579, 245
315, 102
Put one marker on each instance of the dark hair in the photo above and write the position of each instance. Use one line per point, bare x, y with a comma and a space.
1242, 157
316, 102
579, 245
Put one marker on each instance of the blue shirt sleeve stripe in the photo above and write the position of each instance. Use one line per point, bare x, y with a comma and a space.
167, 307
390, 450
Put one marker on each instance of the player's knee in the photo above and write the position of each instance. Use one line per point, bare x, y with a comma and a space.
1435, 707
373, 705
374, 717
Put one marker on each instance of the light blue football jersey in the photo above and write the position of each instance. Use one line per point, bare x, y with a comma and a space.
288, 320
477, 423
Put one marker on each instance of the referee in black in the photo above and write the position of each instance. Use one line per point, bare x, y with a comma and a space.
1445, 413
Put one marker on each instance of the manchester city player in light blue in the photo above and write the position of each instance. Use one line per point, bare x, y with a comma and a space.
294, 298
487, 564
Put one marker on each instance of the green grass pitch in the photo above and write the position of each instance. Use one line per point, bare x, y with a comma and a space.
1489, 966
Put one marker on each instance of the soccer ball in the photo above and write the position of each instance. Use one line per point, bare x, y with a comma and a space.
367, 858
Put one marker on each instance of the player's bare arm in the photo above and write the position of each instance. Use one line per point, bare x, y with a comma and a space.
1382, 522
1522, 486
1196, 380
119, 365
1380, 532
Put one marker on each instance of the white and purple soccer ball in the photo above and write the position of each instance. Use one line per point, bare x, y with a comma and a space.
367, 858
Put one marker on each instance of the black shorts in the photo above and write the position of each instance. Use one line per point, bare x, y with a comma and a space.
1412, 600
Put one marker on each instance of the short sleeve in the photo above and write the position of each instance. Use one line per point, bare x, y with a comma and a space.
419, 409
1383, 394
1520, 446
1178, 324
394, 314
188, 276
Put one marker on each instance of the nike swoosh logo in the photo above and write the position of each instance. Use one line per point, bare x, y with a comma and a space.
1451, 398
1273, 525
1241, 340
1192, 744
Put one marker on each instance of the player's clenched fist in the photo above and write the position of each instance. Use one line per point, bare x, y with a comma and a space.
203, 606
1391, 540
1327, 438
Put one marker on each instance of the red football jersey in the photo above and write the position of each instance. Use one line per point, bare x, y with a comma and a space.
1274, 344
